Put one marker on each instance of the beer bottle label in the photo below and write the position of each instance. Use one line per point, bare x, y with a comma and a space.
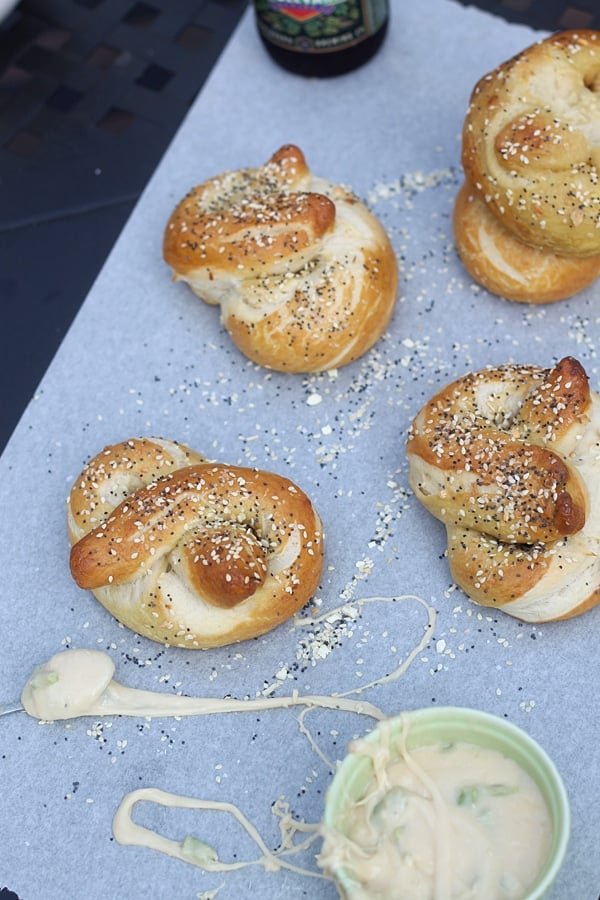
319, 26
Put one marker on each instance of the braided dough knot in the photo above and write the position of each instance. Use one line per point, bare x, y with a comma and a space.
531, 143
508, 459
303, 272
196, 555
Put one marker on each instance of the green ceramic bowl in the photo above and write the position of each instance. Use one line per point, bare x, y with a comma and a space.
445, 724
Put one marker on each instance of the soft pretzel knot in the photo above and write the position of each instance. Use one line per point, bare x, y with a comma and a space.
531, 143
508, 459
304, 273
505, 265
188, 552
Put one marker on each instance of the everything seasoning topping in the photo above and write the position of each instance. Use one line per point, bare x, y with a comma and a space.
304, 273
531, 146
485, 434
200, 537
493, 456
173, 507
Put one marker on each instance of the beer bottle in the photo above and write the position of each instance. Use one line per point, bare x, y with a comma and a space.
321, 37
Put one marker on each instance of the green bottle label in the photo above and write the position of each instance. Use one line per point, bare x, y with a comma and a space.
319, 26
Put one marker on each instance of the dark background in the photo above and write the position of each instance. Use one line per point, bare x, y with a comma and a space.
91, 94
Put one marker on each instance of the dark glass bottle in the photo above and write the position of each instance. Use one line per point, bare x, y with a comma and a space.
322, 37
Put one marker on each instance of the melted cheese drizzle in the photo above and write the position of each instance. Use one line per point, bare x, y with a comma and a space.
447, 822
78, 683
194, 851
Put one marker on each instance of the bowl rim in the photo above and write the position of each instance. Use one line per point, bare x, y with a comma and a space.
471, 726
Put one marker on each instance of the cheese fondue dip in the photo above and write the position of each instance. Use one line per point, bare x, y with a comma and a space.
442, 822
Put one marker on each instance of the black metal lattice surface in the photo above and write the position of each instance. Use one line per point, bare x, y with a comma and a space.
91, 93
547, 15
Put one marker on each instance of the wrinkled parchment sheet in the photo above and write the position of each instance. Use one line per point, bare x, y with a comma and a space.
146, 357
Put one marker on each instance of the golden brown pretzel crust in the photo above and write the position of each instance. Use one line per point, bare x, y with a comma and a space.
531, 143
506, 266
188, 552
304, 273
508, 459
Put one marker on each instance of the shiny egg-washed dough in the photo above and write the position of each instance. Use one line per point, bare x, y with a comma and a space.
508, 267
531, 143
303, 272
188, 552
508, 458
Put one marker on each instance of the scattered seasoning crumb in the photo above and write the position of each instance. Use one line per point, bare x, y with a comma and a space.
405, 367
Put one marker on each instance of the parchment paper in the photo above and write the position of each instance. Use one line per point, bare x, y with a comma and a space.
145, 357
